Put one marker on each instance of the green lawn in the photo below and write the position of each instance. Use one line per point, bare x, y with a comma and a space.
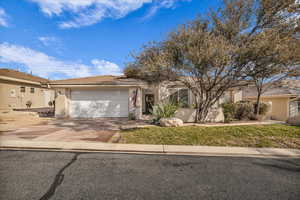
281, 136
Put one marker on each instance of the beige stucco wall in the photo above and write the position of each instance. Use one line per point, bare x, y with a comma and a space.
12, 97
237, 96
188, 115
279, 109
293, 108
62, 102
135, 102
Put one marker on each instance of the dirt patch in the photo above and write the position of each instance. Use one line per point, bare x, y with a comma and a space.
12, 120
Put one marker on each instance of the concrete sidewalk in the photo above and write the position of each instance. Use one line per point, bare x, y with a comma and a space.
151, 149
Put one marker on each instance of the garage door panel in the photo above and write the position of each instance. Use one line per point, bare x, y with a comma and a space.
99, 103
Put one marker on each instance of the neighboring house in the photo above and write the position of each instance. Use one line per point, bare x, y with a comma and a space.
118, 96
17, 88
284, 99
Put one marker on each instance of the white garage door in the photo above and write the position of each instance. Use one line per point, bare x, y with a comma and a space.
99, 103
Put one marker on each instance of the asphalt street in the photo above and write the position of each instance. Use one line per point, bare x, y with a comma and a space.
59, 175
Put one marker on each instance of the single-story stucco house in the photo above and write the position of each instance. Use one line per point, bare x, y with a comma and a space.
118, 96
284, 99
17, 88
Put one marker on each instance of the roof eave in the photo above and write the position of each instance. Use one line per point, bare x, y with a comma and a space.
19, 80
92, 85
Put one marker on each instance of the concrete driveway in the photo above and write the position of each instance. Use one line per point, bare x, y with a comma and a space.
101, 130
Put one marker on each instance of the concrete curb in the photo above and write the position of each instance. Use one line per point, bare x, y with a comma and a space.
151, 149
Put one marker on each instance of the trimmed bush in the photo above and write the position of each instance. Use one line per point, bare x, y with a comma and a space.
131, 116
243, 111
263, 108
229, 111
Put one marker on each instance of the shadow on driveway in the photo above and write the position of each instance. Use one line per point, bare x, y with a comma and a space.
101, 130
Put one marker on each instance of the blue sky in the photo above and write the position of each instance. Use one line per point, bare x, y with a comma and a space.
76, 38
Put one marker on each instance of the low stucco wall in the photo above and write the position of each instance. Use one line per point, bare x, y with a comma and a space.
61, 106
294, 120
188, 115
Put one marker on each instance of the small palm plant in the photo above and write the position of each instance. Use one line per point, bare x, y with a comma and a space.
164, 110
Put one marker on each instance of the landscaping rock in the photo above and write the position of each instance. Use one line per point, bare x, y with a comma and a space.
170, 122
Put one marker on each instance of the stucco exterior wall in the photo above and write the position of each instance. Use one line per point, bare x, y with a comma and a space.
188, 115
279, 109
61, 106
293, 108
62, 102
135, 102
12, 97
237, 96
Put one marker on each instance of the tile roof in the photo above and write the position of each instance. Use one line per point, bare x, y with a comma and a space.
21, 75
99, 80
290, 87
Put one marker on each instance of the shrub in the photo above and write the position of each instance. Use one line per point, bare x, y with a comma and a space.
164, 110
50, 103
131, 116
28, 104
263, 108
229, 111
243, 110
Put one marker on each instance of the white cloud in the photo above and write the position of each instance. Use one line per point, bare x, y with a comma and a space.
3, 18
157, 5
46, 66
106, 67
46, 41
88, 12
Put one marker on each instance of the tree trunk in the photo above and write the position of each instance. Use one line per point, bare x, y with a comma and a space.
258, 104
203, 112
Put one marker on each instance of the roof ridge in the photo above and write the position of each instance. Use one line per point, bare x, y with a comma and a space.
87, 77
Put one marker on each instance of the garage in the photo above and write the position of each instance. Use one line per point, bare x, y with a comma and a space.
96, 103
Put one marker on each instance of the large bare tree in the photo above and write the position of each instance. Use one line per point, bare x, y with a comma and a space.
214, 53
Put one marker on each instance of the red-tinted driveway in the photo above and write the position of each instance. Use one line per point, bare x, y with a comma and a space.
101, 130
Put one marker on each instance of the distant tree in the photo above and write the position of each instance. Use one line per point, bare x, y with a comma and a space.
151, 65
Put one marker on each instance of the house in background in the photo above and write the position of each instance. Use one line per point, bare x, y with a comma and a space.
283, 98
17, 88
118, 96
